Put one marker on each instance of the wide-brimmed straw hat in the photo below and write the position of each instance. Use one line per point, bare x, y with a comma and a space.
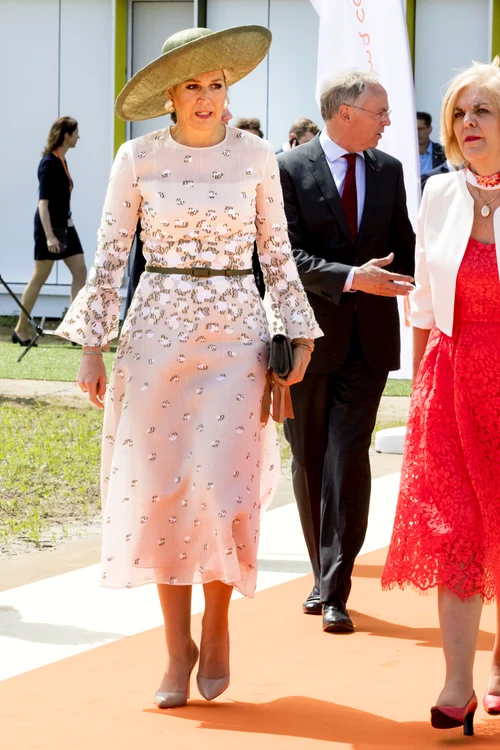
188, 54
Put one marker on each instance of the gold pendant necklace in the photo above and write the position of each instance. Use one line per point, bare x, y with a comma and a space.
486, 210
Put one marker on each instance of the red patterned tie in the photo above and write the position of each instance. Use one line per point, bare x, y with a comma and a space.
350, 196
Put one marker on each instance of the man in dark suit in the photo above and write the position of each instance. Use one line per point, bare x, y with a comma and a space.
348, 224
431, 153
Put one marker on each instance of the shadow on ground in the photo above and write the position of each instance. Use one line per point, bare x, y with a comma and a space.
298, 716
13, 626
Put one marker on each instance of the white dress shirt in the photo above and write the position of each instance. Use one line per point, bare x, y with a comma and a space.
338, 167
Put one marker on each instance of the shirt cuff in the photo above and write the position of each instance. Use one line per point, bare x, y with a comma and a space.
348, 281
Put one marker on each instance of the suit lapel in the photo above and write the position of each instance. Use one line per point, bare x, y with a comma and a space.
372, 170
321, 171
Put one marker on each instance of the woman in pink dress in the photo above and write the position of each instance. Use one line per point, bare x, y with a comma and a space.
447, 527
187, 466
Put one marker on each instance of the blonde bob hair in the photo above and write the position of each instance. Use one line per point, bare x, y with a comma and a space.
486, 75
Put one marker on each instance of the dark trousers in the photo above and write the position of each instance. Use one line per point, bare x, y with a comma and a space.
330, 437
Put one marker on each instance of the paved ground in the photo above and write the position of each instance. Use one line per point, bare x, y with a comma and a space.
41, 389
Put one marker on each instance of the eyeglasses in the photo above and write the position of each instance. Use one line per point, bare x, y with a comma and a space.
384, 114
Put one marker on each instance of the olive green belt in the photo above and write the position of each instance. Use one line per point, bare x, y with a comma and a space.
201, 272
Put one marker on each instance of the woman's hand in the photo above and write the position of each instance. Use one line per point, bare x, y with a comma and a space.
420, 339
92, 375
302, 350
53, 244
51, 239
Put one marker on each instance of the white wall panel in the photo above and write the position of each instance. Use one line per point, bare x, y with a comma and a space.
449, 34
29, 61
292, 66
152, 23
62, 66
249, 96
281, 89
87, 94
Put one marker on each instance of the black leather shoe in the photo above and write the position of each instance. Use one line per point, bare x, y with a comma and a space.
312, 605
336, 619
17, 340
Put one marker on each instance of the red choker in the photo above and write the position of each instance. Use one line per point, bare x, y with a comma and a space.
490, 182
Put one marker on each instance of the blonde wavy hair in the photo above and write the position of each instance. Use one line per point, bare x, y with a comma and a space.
486, 75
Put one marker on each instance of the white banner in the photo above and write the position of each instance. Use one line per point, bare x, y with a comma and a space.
372, 35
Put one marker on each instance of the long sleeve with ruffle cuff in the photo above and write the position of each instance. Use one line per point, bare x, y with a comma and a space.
286, 303
93, 317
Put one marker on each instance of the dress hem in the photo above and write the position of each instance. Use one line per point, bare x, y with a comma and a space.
107, 585
431, 590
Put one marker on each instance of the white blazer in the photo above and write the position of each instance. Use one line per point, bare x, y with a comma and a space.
444, 228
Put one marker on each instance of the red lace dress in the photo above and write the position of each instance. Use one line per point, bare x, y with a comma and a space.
447, 526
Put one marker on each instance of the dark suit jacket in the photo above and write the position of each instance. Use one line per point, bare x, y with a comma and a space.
325, 253
438, 155
442, 169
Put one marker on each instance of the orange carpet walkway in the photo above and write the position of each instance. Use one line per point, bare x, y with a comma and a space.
292, 687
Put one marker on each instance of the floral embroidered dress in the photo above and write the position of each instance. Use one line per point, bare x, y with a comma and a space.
447, 527
186, 465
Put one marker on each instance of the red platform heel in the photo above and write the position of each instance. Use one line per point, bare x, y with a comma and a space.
448, 717
491, 704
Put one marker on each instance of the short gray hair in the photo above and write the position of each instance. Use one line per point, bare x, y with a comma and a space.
347, 87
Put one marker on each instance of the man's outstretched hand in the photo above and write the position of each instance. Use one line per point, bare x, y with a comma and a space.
373, 279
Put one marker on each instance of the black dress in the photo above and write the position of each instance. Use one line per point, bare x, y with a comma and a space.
55, 186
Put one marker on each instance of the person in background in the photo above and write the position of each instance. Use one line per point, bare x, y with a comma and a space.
250, 124
55, 235
431, 153
447, 524
302, 131
443, 168
137, 264
348, 223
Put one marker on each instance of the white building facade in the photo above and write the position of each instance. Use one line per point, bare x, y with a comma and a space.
72, 57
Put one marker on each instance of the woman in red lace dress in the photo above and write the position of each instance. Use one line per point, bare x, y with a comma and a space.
447, 527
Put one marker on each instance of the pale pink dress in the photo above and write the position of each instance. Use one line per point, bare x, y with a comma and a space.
186, 466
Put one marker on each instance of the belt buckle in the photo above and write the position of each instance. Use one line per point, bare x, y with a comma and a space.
201, 272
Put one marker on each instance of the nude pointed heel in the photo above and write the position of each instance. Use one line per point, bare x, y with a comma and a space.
211, 688
180, 697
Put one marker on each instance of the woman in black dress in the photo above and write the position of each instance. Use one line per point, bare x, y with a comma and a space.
55, 235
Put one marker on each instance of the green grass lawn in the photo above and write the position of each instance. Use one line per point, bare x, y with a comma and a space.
57, 359
49, 361
49, 466
54, 358
398, 388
